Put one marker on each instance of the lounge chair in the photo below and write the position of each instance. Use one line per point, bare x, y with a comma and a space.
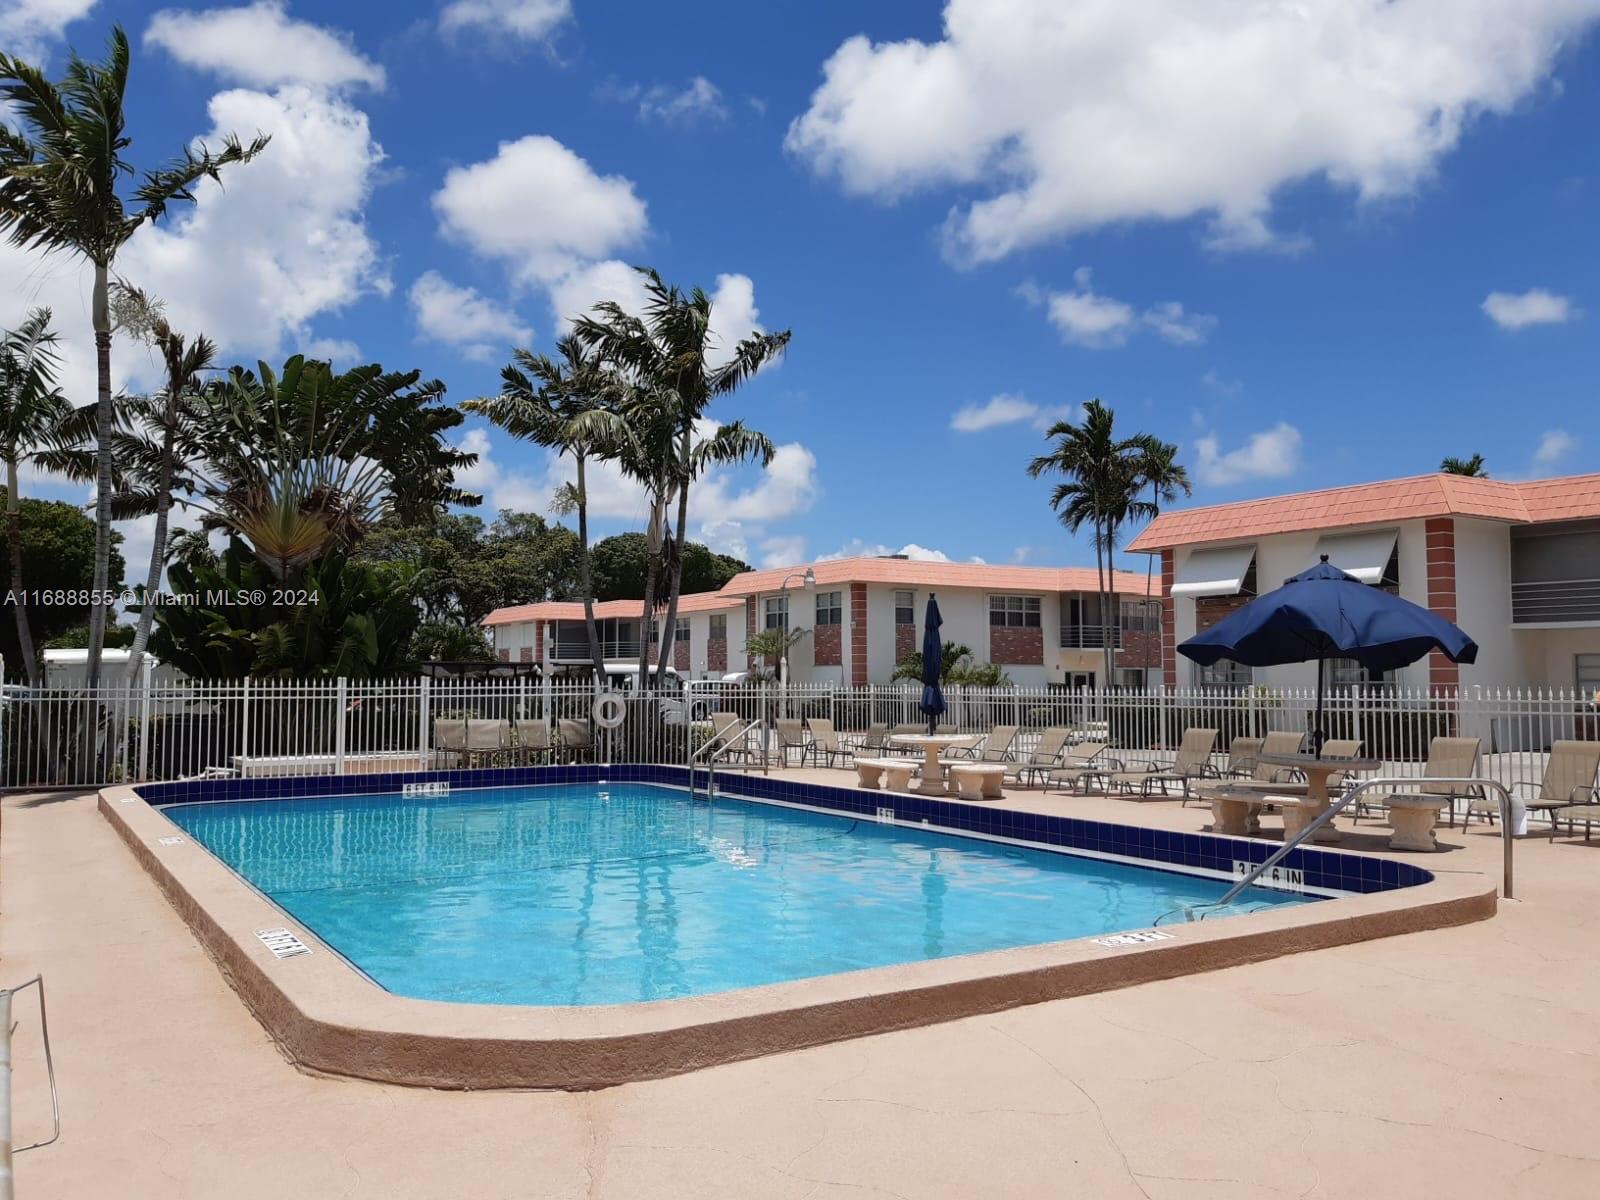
1242, 755
1191, 763
825, 745
1043, 758
791, 736
722, 726
1566, 791
449, 740
577, 738
487, 741
1289, 781
1412, 814
1080, 764
533, 741
876, 739
1264, 774
995, 747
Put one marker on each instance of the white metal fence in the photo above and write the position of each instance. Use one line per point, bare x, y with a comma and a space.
70, 738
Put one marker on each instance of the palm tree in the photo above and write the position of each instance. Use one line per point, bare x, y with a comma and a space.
668, 355
61, 160
572, 410
1105, 476
1464, 466
1166, 477
31, 410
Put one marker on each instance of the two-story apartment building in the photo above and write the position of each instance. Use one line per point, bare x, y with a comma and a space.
1041, 624
1515, 564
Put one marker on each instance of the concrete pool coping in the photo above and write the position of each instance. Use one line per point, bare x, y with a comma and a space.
328, 1017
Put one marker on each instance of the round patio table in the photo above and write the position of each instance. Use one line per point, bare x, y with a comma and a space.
932, 781
1316, 770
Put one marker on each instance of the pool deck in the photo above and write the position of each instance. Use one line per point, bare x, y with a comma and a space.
1461, 1061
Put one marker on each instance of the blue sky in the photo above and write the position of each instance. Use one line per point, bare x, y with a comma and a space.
1313, 244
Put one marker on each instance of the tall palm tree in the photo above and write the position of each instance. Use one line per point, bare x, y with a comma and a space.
572, 409
671, 355
1464, 466
32, 408
61, 161
1105, 477
1166, 477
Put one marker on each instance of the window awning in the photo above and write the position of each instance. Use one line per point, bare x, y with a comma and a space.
1218, 572
1365, 555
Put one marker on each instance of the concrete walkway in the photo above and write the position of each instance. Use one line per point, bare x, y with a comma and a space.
1459, 1063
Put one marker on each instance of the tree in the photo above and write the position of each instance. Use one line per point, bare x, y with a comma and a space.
1464, 466
620, 565
957, 666
772, 646
57, 559
572, 410
61, 160
450, 641
1105, 476
671, 358
1166, 477
31, 409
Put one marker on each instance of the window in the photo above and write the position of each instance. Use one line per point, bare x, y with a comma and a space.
1346, 673
829, 608
719, 627
1015, 612
681, 633
1588, 672
1139, 616
1224, 673
777, 613
905, 608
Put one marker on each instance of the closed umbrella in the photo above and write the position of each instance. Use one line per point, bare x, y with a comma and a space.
1324, 613
932, 660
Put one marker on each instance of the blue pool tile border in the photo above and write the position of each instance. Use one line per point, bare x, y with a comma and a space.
1323, 869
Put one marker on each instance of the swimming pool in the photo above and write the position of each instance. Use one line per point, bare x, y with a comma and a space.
596, 893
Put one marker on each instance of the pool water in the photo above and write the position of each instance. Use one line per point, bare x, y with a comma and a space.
608, 894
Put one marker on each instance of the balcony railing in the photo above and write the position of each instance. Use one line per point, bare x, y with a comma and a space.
1556, 602
1090, 637
576, 649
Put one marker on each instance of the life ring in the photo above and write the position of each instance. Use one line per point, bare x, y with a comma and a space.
610, 710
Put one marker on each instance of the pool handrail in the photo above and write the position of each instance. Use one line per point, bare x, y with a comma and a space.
714, 745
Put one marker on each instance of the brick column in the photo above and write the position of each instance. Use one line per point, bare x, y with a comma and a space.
749, 629
1441, 535
538, 641
858, 634
1169, 622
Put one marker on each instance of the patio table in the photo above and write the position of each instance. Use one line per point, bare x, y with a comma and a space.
1316, 770
932, 781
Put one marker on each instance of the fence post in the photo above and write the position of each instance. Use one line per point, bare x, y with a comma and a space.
340, 695
143, 766
424, 707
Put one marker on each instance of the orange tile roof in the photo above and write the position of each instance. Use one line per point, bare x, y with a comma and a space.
919, 573
1571, 498
572, 610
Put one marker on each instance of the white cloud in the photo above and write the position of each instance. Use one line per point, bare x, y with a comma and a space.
464, 318
1536, 306
540, 209
341, 352
856, 548
29, 28
1067, 118
786, 551
698, 100
1270, 454
734, 317
1083, 317
1007, 408
526, 20
262, 46
289, 225
1555, 445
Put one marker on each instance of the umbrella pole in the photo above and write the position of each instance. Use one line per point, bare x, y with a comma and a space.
1317, 734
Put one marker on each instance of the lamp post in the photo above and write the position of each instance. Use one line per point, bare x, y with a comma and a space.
808, 580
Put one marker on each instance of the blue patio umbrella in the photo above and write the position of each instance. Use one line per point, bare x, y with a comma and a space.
932, 659
1324, 613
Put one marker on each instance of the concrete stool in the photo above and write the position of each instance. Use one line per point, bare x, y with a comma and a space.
978, 781
1412, 818
895, 773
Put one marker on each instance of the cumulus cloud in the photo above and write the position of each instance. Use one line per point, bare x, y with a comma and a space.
1554, 446
525, 20
784, 551
464, 318
697, 100
262, 46
1536, 306
1270, 454
856, 548
1006, 408
540, 209
1066, 118
30, 28
1083, 317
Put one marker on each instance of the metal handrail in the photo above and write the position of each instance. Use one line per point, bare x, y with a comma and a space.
1397, 785
709, 751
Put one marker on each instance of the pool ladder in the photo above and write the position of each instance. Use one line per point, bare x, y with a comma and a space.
715, 745
1395, 785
